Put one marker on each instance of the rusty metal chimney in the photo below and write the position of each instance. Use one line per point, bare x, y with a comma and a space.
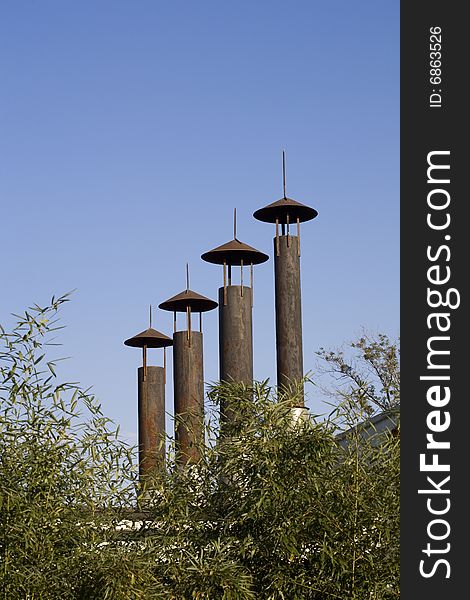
235, 312
151, 402
188, 373
287, 212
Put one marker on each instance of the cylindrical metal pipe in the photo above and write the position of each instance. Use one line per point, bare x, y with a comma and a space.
235, 339
236, 335
151, 406
188, 386
288, 312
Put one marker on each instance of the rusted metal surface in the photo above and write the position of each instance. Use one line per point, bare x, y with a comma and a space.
225, 284
151, 407
144, 360
151, 402
298, 236
288, 312
235, 313
195, 301
150, 338
188, 385
235, 340
289, 350
284, 172
285, 210
188, 373
234, 253
188, 324
277, 236
164, 365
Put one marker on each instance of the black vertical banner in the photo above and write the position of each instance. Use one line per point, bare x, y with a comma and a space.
435, 239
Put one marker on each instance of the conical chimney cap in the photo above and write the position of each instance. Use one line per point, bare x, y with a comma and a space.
233, 253
195, 301
284, 207
150, 338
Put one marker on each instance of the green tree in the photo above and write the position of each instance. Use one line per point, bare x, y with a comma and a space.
363, 379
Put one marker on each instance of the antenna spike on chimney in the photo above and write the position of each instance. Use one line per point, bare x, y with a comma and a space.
284, 172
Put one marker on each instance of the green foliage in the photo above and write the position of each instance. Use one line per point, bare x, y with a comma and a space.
64, 474
365, 380
275, 509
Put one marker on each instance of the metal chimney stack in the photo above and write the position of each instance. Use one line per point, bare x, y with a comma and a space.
188, 373
235, 312
287, 212
151, 402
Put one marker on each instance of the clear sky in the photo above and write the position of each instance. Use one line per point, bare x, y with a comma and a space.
130, 130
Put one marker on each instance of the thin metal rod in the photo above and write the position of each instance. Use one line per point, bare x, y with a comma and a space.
144, 360
225, 283
189, 326
200, 322
188, 318
251, 283
288, 237
187, 276
164, 364
241, 276
298, 236
277, 237
150, 317
234, 223
174, 321
284, 172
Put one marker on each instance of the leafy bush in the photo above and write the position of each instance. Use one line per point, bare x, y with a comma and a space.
279, 511
64, 474
275, 509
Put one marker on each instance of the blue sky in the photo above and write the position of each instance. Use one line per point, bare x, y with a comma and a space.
130, 130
